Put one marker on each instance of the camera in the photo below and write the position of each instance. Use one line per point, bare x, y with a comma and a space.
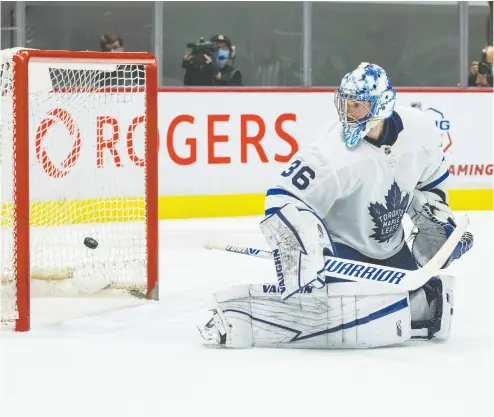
201, 48
484, 67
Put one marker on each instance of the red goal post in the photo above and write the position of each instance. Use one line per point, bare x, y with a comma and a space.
39, 82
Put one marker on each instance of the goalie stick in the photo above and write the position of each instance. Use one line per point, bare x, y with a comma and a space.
388, 278
243, 250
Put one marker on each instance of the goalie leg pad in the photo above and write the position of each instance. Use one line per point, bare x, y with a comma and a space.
255, 315
232, 330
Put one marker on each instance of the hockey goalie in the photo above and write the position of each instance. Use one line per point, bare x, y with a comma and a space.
344, 197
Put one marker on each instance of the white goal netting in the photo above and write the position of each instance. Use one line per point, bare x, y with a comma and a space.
87, 177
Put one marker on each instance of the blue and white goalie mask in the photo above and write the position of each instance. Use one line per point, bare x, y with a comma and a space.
364, 98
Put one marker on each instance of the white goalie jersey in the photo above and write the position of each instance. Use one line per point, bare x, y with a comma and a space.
363, 193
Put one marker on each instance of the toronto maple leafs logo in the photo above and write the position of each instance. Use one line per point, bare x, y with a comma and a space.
387, 218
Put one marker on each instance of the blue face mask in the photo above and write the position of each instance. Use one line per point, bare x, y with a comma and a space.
222, 58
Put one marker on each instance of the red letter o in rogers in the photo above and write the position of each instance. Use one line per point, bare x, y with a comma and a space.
58, 115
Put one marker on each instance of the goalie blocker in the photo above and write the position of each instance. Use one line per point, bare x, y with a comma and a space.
347, 316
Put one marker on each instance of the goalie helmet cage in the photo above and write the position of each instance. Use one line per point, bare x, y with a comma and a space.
62, 77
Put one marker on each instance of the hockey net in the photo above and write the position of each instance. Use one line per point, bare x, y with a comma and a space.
78, 160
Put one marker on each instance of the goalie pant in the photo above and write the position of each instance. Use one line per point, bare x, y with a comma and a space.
338, 316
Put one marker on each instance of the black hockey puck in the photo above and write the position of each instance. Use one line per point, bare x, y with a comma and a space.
91, 243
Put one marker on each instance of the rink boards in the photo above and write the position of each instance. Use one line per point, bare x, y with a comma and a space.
220, 151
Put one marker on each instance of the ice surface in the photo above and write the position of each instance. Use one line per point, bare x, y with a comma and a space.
125, 357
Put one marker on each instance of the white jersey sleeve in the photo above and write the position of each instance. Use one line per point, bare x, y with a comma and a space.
434, 179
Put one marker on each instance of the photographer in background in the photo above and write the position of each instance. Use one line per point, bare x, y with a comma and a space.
225, 74
207, 63
198, 63
481, 72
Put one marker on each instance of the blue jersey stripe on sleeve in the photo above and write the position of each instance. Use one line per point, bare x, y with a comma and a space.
271, 211
432, 184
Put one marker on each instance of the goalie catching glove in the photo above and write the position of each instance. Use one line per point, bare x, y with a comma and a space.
434, 223
299, 240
